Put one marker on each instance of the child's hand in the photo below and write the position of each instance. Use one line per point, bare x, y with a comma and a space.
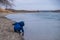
22, 33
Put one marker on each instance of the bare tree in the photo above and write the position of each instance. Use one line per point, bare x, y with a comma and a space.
7, 3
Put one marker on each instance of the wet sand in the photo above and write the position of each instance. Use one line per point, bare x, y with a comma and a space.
6, 29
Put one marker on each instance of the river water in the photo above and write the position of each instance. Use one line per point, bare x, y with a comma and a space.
39, 26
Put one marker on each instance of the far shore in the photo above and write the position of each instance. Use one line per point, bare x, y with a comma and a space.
29, 11
25, 11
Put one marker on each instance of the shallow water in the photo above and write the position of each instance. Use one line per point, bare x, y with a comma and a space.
39, 26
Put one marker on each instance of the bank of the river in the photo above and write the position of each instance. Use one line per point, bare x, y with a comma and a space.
6, 29
2, 10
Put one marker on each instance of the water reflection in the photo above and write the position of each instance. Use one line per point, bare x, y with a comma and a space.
39, 26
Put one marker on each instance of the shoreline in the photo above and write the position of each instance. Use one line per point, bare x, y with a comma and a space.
25, 11
6, 29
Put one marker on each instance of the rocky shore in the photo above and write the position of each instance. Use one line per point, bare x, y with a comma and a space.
6, 29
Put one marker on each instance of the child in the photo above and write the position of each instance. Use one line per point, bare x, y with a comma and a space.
18, 27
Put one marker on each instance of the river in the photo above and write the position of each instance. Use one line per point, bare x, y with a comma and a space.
39, 26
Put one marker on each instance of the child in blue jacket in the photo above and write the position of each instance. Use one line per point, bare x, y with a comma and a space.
18, 27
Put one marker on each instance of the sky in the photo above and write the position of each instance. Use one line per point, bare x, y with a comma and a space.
36, 4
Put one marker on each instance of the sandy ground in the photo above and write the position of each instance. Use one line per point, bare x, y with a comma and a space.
6, 29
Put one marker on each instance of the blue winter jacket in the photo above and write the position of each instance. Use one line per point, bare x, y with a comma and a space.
18, 26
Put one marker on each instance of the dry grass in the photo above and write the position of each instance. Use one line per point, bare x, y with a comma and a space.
4, 11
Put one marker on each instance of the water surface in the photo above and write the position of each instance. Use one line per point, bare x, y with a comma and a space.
39, 26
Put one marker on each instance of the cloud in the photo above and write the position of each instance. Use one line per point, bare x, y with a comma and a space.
37, 4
